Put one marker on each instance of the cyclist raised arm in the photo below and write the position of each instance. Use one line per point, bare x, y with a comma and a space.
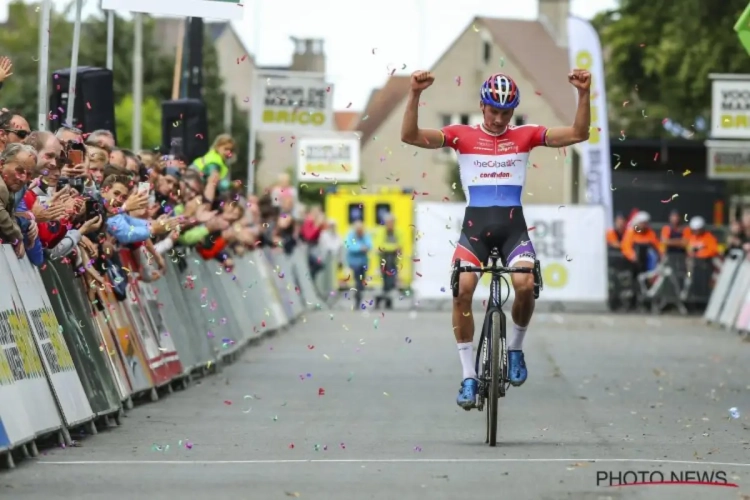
427, 138
558, 137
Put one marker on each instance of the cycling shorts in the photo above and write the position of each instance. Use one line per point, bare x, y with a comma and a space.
485, 228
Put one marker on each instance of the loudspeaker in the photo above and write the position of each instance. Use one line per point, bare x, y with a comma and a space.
94, 106
184, 128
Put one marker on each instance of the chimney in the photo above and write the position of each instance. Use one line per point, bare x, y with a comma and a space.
553, 14
308, 55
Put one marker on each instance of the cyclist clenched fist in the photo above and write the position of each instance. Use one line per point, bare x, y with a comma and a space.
420, 80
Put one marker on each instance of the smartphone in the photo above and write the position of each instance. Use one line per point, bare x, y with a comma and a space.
144, 187
92, 208
75, 156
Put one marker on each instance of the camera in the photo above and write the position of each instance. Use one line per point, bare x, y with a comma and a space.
76, 183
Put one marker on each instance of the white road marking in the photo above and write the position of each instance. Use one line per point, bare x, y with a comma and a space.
393, 461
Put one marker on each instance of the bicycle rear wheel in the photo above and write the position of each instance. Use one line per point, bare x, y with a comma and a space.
497, 373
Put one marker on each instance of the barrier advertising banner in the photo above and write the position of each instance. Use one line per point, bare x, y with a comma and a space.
48, 336
211, 9
292, 104
328, 159
730, 106
569, 242
585, 52
18, 346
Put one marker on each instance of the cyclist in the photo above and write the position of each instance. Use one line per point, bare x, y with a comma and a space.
492, 159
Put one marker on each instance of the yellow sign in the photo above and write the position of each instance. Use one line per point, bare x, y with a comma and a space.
316, 119
19, 325
54, 331
346, 206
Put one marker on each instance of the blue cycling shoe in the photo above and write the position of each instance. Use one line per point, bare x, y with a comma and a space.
517, 372
467, 395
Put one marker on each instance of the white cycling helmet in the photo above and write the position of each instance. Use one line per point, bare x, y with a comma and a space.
640, 218
697, 223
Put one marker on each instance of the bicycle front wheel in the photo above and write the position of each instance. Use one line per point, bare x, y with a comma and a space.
496, 350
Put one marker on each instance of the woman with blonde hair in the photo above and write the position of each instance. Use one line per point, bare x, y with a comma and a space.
217, 160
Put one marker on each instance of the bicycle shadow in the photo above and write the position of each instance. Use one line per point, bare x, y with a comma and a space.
533, 443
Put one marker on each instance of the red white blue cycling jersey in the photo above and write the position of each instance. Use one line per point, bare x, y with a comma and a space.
493, 167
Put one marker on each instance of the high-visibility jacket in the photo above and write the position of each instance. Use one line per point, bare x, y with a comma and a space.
704, 245
633, 239
614, 238
213, 159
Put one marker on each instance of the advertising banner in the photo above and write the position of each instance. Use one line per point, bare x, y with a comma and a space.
18, 348
48, 336
292, 104
585, 52
568, 241
728, 160
730, 106
328, 159
211, 9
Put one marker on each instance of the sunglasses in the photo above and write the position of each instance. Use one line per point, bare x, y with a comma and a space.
22, 134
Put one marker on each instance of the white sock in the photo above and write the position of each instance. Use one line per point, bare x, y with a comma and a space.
515, 342
466, 353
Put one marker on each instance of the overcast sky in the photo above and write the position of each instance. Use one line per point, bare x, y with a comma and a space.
353, 29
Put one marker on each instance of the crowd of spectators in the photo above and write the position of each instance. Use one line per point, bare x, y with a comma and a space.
82, 199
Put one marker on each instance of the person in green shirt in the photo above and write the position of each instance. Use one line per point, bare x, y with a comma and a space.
389, 243
217, 159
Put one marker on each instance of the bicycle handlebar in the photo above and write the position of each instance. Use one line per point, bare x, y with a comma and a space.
494, 269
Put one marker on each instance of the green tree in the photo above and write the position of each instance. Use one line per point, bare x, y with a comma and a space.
659, 56
19, 41
150, 126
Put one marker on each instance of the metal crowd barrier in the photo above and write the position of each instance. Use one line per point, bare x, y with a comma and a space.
729, 304
73, 356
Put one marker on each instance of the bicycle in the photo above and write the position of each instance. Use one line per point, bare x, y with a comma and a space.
492, 355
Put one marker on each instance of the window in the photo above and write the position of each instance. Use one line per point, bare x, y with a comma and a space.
381, 211
520, 120
447, 120
464, 119
356, 213
487, 52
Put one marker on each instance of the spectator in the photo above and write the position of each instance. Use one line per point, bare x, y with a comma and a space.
310, 231
117, 158
614, 235
702, 244
97, 161
674, 236
69, 134
221, 152
120, 203
389, 243
6, 69
110, 169
640, 244
103, 139
165, 195
735, 236
286, 225
331, 244
13, 128
358, 245
16, 162
134, 166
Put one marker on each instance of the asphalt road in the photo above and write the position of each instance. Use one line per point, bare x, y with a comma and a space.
358, 406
